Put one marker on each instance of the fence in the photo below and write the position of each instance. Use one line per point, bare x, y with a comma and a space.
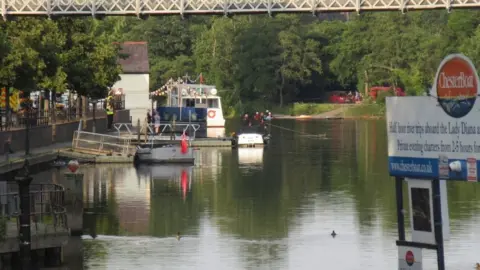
164, 129
34, 118
47, 206
101, 144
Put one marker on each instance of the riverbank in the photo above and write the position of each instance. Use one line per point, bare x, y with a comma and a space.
286, 111
365, 111
339, 111
46, 155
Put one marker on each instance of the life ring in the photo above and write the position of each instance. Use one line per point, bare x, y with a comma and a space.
211, 114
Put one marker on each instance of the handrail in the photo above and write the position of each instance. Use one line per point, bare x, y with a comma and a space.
47, 200
167, 127
100, 143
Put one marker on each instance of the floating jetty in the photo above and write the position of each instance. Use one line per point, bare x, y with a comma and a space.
198, 142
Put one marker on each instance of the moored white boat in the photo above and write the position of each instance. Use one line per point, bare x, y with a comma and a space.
164, 154
251, 137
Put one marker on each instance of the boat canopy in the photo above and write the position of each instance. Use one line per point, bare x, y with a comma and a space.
180, 88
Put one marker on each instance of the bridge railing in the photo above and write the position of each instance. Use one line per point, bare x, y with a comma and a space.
47, 209
96, 143
164, 7
165, 129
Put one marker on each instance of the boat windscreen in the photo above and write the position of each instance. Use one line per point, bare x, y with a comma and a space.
213, 103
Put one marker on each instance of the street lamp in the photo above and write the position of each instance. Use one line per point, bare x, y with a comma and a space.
24, 235
27, 132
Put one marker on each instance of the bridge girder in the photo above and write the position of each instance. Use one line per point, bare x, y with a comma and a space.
199, 7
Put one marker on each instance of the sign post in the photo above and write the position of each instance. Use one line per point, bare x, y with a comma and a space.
433, 139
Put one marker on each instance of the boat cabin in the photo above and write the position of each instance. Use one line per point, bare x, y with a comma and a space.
190, 103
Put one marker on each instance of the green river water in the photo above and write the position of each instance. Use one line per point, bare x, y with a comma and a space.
271, 208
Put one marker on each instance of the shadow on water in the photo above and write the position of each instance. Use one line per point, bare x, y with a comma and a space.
271, 208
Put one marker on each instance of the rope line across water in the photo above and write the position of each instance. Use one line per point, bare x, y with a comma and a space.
324, 135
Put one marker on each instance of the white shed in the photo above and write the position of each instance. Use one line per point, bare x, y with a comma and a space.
135, 79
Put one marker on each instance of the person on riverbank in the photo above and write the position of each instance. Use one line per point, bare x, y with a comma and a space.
149, 117
7, 147
109, 111
156, 119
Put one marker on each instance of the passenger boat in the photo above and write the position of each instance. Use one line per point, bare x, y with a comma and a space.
189, 103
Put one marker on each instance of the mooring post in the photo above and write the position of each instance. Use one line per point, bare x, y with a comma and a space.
24, 232
437, 219
138, 130
400, 210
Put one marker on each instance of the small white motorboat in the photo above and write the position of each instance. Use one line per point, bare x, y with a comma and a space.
163, 154
251, 137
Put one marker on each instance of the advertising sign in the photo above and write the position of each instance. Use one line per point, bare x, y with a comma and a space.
421, 211
409, 258
426, 133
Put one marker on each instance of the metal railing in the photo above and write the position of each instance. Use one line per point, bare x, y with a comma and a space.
47, 207
165, 129
34, 118
101, 143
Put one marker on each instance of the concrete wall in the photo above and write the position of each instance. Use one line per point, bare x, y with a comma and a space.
47, 135
57, 133
39, 136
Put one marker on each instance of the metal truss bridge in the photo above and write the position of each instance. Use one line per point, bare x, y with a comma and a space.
197, 7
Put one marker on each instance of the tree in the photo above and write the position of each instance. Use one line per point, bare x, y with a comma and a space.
90, 60
34, 59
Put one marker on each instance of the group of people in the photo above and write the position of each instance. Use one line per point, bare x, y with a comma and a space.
154, 119
258, 118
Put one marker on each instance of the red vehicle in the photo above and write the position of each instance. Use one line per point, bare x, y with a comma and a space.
341, 97
375, 90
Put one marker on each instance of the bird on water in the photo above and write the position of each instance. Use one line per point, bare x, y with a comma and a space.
333, 233
178, 236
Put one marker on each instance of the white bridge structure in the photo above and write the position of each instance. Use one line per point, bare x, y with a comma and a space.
198, 7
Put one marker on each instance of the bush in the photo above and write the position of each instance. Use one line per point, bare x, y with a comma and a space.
381, 96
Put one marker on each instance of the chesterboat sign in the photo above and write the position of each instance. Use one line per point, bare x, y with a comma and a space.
438, 136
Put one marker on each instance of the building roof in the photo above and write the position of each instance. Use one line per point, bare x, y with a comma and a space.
137, 60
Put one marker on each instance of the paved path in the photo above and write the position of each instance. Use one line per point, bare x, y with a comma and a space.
45, 149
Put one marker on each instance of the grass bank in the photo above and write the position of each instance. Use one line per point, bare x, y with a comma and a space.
366, 110
293, 109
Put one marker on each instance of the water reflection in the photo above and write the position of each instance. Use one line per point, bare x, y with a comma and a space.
250, 156
240, 211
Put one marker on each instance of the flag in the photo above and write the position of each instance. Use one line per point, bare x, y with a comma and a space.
184, 144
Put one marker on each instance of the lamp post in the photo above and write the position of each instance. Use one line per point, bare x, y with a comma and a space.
24, 236
23, 182
27, 132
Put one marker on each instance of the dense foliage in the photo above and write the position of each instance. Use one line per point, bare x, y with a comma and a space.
251, 58
41, 54
291, 57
